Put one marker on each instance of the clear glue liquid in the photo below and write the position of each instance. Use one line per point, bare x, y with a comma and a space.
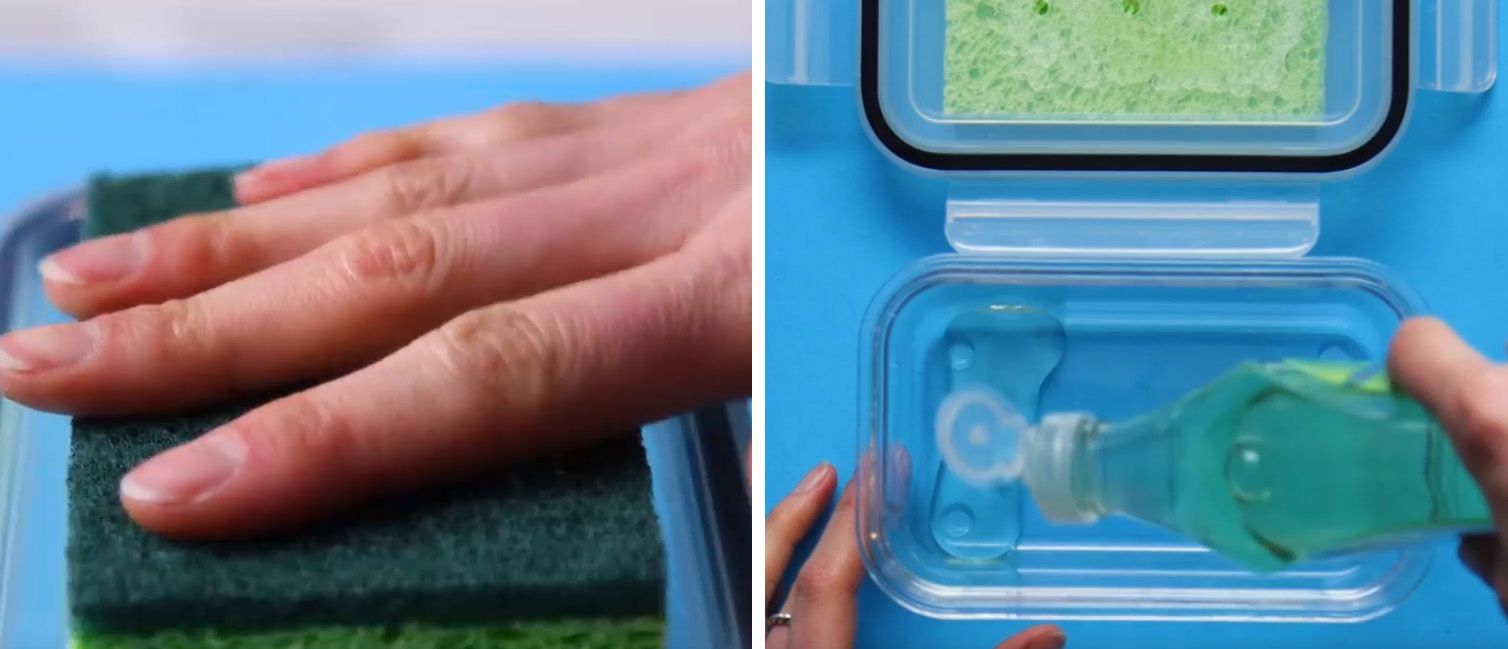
1270, 464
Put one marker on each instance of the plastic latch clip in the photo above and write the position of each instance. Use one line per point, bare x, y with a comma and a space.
1458, 45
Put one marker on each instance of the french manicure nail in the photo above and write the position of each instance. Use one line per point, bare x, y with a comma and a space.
283, 165
249, 180
187, 473
45, 348
813, 478
103, 260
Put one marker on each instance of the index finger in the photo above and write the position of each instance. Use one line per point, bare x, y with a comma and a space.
489, 129
510, 123
824, 602
789, 522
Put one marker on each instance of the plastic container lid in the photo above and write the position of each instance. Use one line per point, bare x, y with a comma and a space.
1238, 85
1301, 86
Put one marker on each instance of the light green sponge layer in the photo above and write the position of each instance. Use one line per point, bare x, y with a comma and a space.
642, 633
1236, 59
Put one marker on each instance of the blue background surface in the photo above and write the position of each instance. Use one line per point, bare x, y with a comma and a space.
60, 124
841, 219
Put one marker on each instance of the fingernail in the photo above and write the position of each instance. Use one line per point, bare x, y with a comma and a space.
186, 473
252, 179
102, 260
1049, 640
282, 166
813, 478
45, 348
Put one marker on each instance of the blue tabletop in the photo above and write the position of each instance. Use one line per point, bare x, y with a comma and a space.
60, 124
841, 219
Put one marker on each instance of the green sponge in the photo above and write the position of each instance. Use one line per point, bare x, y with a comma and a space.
1225, 60
576, 634
561, 553
122, 204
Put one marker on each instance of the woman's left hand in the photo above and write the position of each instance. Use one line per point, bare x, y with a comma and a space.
823, 602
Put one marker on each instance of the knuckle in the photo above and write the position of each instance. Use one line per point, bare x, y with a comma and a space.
183, 321
216, 242
526, 118
780, 527
218, 234
702, 164
778, 534
1480, 415
176, 333
403, 250
375, 145
824, 582
509, 354
198, 241
174, 327
306, 432
420, 184
727, 136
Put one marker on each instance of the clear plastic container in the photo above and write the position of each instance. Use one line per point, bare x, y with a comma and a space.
1116, 339
1133, 187
702, 501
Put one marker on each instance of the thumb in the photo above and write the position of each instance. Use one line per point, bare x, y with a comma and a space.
1468, 394
1044, 636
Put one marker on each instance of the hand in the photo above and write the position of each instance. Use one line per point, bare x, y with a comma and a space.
481, 289
823, 601
1469, 395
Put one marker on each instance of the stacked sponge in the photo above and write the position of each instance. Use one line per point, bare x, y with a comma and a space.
564, 552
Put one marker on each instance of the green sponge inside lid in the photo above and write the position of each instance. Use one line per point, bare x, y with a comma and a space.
1232, 59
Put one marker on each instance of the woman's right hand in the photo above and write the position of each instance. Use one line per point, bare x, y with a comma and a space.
1469, 395
458, 295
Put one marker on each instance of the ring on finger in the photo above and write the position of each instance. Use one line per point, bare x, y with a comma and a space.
777, 620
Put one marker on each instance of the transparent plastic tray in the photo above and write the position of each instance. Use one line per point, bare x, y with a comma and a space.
1135, 337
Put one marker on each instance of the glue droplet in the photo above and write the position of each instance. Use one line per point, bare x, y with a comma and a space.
1219, 9
1132, 7
1041, 7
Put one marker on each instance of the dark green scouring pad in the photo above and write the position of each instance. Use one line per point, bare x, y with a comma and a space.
561, 553
122, 204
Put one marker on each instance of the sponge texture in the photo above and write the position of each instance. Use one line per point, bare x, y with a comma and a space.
576, 634
1234, 59
119, 204
564, 552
